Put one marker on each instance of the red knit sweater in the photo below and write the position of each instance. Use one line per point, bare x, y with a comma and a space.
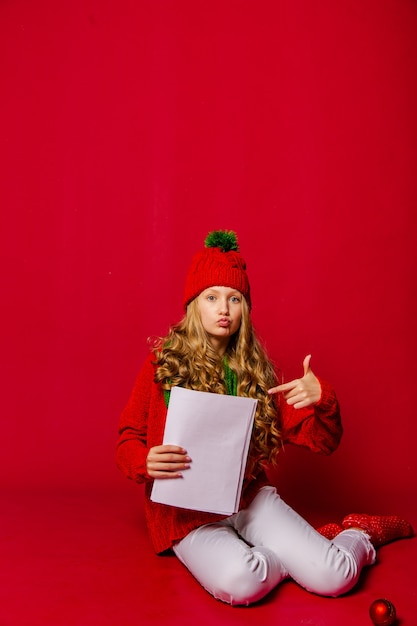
142, 427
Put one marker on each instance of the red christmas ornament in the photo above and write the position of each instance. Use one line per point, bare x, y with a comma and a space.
382, 612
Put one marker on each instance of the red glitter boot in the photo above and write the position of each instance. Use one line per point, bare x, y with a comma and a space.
381, 528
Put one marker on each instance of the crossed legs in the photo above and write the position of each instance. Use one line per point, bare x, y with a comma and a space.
242, 558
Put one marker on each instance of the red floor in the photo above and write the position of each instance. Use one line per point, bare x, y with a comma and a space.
81, 558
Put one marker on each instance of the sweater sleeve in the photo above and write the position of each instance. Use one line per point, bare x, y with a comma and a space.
317, 427
132, 445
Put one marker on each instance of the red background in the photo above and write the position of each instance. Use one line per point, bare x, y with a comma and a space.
129, 130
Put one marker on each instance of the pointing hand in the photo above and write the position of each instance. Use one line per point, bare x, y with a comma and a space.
301, 392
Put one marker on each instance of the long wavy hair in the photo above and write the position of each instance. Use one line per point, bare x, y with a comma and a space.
185, 357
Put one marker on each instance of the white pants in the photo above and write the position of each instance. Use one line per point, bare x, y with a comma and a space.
240, 559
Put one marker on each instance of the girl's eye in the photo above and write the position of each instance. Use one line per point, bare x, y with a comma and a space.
211, 298
235, 299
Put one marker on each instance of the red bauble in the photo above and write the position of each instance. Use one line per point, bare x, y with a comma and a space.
382, 612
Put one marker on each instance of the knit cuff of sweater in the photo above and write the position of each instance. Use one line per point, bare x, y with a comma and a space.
327, 397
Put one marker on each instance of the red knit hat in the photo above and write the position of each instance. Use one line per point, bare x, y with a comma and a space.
218, 264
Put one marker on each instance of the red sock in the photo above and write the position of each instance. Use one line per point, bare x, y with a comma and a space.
330, 530
381, 528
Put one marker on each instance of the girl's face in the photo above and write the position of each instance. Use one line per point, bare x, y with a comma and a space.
221, 312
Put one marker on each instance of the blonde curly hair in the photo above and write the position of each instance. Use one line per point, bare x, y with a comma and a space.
185, 357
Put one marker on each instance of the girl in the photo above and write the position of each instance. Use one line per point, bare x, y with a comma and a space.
240, 558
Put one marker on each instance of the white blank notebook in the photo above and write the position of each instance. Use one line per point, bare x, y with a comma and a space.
215, 430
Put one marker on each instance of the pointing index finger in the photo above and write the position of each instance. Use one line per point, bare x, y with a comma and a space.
284, 387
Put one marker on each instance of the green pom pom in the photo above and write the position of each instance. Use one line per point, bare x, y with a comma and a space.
224, 239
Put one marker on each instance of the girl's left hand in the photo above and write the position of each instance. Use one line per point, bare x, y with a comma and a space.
301, 392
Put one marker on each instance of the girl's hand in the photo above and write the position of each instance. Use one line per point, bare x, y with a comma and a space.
301, 392
167, 461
